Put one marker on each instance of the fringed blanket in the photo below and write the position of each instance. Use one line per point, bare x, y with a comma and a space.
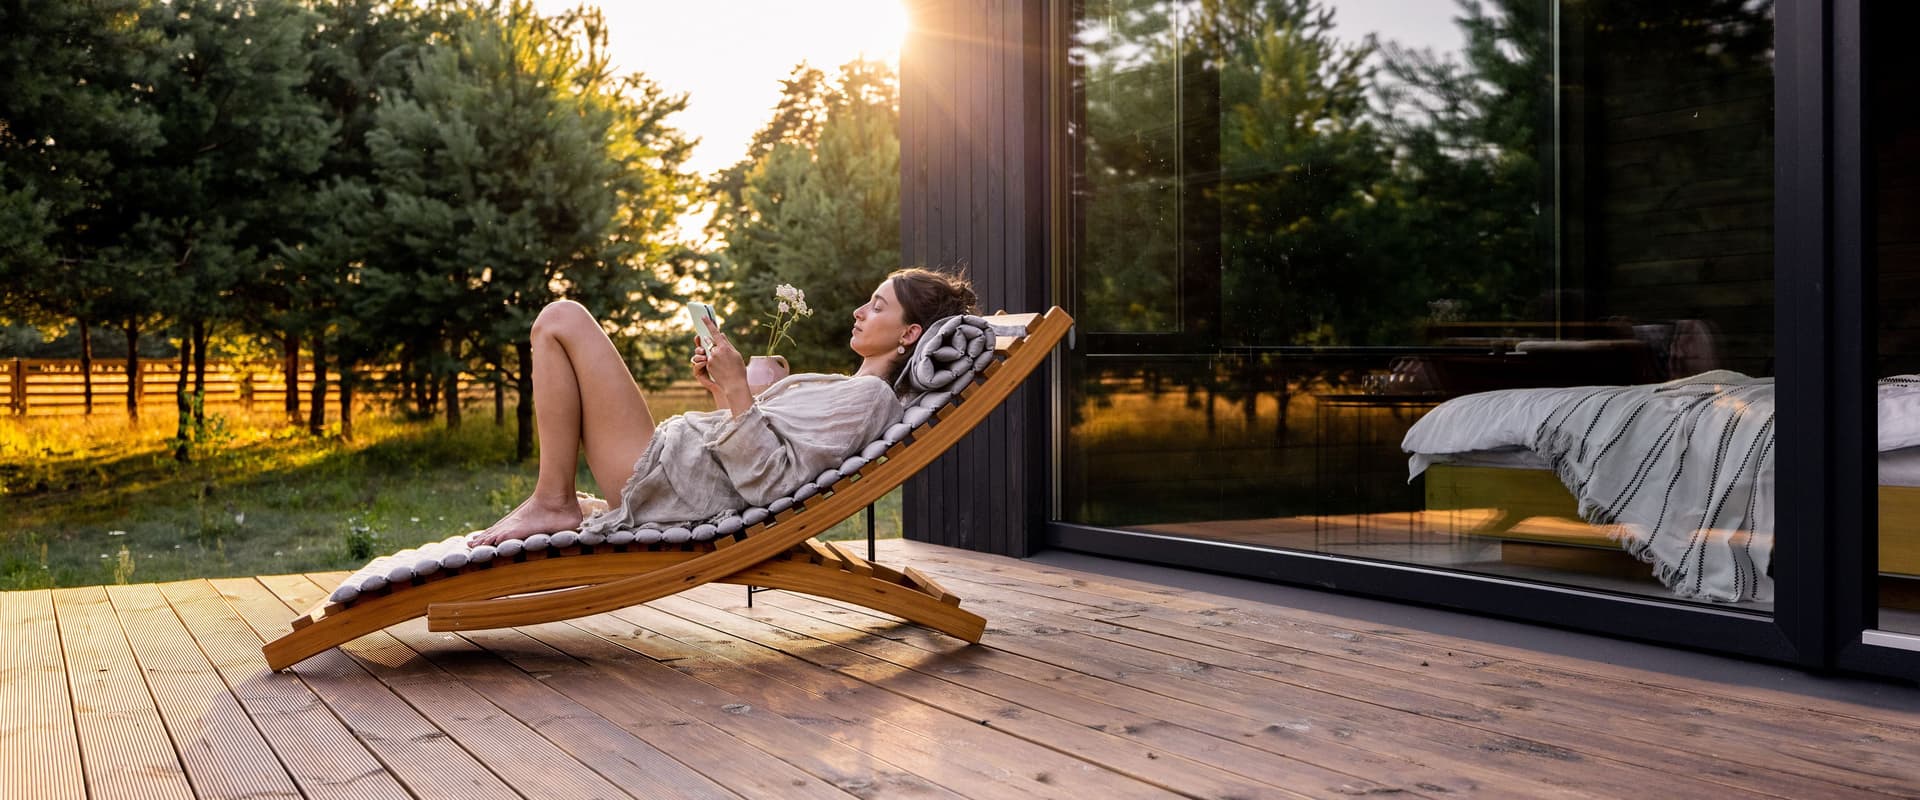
1681, 472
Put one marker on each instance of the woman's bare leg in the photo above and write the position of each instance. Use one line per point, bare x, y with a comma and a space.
582, 394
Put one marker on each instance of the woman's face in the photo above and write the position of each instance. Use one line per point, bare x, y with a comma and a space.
879, 326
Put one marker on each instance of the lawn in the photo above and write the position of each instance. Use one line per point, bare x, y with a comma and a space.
99, 500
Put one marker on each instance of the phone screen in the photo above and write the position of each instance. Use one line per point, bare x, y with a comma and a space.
699, 313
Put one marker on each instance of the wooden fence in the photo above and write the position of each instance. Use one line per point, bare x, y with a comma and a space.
56, 385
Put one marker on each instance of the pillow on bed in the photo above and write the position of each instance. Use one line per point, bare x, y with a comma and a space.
1899, 412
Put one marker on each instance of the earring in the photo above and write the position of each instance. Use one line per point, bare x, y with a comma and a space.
902, 350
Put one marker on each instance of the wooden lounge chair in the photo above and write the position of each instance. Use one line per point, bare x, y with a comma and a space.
776, 549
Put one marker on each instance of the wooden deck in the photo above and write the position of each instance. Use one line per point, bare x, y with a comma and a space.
1084, 687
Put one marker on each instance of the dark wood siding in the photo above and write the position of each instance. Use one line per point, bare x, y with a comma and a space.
973, 196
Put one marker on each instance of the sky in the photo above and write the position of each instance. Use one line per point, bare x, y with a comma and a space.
730, 55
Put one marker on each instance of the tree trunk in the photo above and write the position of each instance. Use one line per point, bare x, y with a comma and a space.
454, 386
183, 430
200, 337
523, 407
346, 400
500, 387
430, 392
86, 364
133, 370
292, 369
317, 404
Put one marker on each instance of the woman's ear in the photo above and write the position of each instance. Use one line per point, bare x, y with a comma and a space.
911, 335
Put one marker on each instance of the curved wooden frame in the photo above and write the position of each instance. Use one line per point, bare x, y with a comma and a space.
779, 553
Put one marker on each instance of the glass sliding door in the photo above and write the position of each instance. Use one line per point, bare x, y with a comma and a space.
1893, 169
1483, 288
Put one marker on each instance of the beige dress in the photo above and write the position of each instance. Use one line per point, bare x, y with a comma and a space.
706, 465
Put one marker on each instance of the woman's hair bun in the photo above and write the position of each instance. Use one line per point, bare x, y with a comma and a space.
927, 295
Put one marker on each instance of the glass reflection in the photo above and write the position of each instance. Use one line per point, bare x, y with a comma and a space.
1303, 228
1894, 126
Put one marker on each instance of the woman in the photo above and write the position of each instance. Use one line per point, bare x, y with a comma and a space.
708, 464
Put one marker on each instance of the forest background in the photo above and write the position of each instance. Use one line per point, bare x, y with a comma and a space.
361, 184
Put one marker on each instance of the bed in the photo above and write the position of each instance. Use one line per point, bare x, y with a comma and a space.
1677, 474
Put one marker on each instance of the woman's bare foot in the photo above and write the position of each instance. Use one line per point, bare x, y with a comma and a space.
533, 516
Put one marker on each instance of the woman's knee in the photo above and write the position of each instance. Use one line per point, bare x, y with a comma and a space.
559, 316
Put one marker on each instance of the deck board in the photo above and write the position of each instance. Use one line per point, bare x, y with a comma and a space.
519, 756
223, 752
39, 748
1084, 686
124, 746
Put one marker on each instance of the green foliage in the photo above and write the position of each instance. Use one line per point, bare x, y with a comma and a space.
817, 206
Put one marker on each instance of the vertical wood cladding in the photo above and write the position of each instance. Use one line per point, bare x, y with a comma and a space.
972, 195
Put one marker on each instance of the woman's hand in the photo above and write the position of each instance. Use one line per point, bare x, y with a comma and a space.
722, 371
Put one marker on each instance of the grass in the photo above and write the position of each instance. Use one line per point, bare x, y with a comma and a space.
101, 500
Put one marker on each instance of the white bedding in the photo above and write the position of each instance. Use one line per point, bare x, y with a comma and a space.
1680, 472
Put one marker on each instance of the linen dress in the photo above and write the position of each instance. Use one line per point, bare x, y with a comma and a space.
708, 465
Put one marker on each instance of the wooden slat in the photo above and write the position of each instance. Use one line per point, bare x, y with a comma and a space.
820, 551
39, 750
926, 584
522, 758
324, 758
641, 697
416, 751
893, 728
123, 742
854, 563
224, 754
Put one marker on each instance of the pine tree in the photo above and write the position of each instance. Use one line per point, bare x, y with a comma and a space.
818, 208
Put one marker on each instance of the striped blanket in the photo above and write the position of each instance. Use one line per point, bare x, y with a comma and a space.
1681, 472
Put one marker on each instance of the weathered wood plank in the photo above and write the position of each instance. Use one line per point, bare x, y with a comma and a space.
627, 760
1117, 750
1737, 701
224, 754
321, 754
123, 742
1258, 749
635, 700
1404, 712
417, 752
1580, 713
819, 755
941, 747
521, 757
39, 749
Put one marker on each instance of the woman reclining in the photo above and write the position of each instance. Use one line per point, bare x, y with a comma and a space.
708, 464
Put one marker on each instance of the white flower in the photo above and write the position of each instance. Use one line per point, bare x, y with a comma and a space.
784, 308
116, 533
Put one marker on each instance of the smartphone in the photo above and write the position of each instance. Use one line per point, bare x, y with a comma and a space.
699, 313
